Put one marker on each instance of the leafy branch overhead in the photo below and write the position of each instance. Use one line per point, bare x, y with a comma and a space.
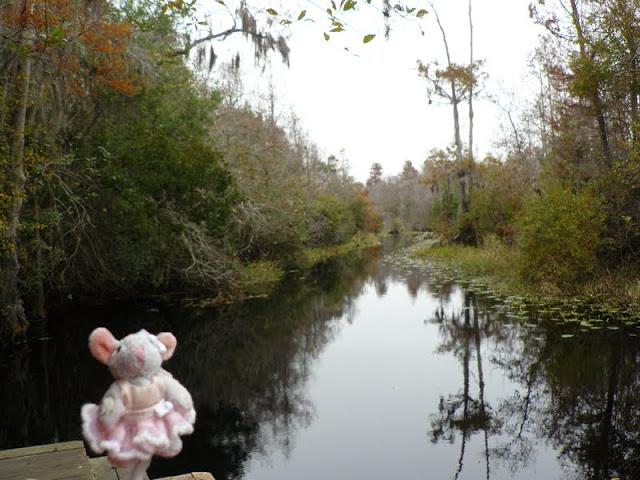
336, 14
268, 28
243, 20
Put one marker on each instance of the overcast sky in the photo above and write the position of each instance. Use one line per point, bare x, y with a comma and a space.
370, 102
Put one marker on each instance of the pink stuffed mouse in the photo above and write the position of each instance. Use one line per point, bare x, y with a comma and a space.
145, 410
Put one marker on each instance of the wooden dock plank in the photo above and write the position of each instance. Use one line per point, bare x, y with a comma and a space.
66, 461
125, 474
39, 449
191, 476
58, 465
102, 469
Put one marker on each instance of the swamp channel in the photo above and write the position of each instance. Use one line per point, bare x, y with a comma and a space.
375, 366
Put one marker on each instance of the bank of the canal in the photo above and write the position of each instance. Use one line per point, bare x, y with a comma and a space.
499, 265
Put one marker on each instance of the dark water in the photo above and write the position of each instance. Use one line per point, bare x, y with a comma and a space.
373, 368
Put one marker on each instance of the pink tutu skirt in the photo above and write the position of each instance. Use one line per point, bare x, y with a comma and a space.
138, 435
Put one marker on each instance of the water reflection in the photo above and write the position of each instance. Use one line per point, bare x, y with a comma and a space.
371, 367
462, 333
248, 366
581, 394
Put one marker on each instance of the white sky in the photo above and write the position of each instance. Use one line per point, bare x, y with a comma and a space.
371, 103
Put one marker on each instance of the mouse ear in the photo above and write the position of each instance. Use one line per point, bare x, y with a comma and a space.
102, 344
169, 341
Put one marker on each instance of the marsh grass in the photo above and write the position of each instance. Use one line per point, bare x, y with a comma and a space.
313, 257
502, 266
621, 284
493, 259
260, 278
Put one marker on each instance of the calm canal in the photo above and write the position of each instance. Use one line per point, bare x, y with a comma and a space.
374, 368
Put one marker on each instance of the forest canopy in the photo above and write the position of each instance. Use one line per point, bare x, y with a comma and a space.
124, 172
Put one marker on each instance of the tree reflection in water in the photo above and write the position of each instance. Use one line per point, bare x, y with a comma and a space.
253, 364
580, 395
462, 333
248, 366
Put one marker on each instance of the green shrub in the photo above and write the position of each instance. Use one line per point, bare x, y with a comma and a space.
621, 205
493, 212
260, 278
364, 215
157, 192
559, 235
444, 214
331, 221
497, 197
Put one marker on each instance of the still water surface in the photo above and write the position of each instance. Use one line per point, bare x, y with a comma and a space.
374, 368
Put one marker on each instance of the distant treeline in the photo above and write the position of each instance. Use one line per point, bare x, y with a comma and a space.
566, 195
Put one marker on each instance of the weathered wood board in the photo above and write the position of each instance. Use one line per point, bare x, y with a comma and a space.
191, 476
66, 461
60, 461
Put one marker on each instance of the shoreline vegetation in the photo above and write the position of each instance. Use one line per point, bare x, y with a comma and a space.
313, 257
262, 278
554, 210
259, 279
150, 180
501, 266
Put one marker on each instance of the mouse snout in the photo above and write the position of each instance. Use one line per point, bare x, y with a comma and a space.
139, 354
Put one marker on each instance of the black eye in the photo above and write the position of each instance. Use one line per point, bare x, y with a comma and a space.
119, 347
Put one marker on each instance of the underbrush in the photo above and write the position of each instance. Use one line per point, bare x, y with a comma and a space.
312, 257
260, 278
494, 260
502, 265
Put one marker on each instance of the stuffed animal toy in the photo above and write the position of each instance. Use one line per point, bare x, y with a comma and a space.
145, 411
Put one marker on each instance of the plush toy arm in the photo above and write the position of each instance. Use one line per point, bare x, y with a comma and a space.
112, 406
176, 393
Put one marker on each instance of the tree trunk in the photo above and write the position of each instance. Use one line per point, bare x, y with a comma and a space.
456, 122
472, 83
634, 87
38, 311
14, 320
596, 101
4, 87
635, 90
516, 134
469, 184
454, 94
462, 173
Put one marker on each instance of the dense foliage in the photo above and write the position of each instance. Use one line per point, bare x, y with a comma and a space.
558, 235
565, 194
123, 173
